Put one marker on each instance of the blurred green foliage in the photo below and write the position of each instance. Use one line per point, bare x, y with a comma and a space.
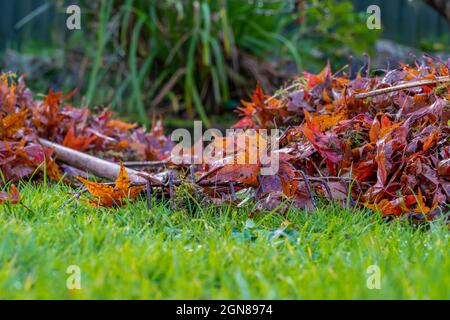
197, 58
333, 31
436, 45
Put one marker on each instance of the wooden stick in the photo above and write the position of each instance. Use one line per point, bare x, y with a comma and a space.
94, 165
402, 87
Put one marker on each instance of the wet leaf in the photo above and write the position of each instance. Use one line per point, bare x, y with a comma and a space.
109, 196
13, 196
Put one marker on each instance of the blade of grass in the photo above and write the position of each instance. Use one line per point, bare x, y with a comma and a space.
33, 14
103, 35
132, 63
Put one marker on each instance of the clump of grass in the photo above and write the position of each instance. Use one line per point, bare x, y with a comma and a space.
187, 198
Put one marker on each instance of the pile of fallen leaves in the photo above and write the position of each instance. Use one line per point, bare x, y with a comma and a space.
388, 151
23, 120
396, 145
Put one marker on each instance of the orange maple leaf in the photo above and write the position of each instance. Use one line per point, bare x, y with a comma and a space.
121, 125
79, 142
12, 123
52, 170
109, 196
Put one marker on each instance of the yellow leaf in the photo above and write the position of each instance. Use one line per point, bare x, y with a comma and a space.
123, 180
421, 206
104, 193
121, 125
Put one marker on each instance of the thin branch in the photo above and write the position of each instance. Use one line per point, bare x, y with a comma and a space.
101, 135
148, 189
276, 95
402, 86
76, 196
144, 164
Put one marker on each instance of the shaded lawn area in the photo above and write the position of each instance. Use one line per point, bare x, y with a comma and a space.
213, 253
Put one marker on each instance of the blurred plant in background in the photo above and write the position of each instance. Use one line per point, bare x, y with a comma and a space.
333, 31
436, 45
194, 58
195, 55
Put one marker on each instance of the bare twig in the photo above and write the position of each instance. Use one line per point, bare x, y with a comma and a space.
308, 188
144, 164
233, 193
207, 174
172, 200
76, 196
192, 172
149, 195
101, 135
276, 95
402, 86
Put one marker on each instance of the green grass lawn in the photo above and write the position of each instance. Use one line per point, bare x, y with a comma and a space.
214, 253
